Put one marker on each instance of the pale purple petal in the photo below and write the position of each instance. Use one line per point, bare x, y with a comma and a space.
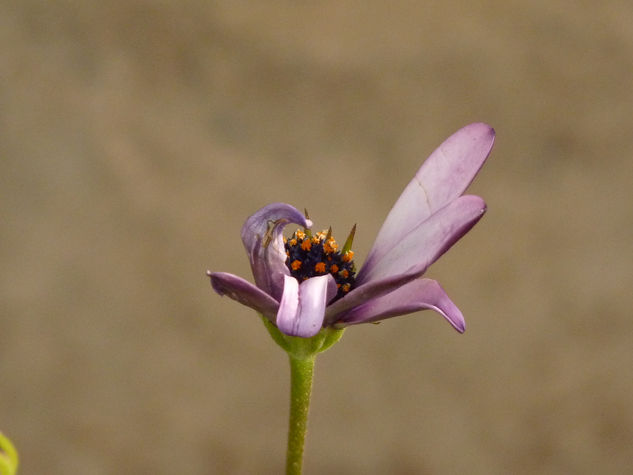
287, 315
263, 240
419, 294
302, 307
244, 292
362, 294
413, 255
426, 243
444, 176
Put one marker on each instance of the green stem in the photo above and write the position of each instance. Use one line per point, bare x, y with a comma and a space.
301, 374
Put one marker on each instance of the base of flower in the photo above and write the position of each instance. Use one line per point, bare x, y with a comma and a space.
302, 348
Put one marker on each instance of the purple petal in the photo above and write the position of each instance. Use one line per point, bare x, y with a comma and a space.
262, 238
426, 243
302, 307
414, 254
245, 293
287, 315
419, 294
442, 177
364, 293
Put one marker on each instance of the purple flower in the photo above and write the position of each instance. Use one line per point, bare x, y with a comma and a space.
428, 218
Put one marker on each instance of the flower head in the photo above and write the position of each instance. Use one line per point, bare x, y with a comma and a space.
304, 283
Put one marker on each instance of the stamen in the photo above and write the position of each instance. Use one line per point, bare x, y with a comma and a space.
330, 246
296, 265
320, 267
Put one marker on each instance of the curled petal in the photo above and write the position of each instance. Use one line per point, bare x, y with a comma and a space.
245, 293
302, 307
419, 294
442, 177
262, 238
425, 244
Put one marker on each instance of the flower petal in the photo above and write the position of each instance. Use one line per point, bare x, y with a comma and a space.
419, 294
425, 244
262, 238
413, 255
302, 307
364, 293
442, 177
245, 293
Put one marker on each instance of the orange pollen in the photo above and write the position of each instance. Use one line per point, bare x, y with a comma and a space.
330, 246
334, 269
346, 287
306, 245
296, 264
320, 267
345, 273
293, 242
348, 256
300, 234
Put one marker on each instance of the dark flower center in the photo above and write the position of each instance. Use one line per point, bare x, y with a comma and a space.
314, 255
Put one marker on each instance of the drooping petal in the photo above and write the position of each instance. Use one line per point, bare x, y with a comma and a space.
364, 293
302, 307
245, 293
262, 238
419, 294
425, 244
444, 176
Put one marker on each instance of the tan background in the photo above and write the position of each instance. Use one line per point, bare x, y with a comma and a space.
136, 137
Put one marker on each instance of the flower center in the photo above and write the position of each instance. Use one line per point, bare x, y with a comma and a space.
314, 255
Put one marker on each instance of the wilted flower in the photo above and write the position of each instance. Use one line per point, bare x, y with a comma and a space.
304, 283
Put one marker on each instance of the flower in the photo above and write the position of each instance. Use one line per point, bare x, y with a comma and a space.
300, 285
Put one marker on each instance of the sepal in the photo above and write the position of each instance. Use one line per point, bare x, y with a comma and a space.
304, 348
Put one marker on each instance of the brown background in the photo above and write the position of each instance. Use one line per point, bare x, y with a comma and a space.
136, 137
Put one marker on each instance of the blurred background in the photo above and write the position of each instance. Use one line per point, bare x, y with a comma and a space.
136, 137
